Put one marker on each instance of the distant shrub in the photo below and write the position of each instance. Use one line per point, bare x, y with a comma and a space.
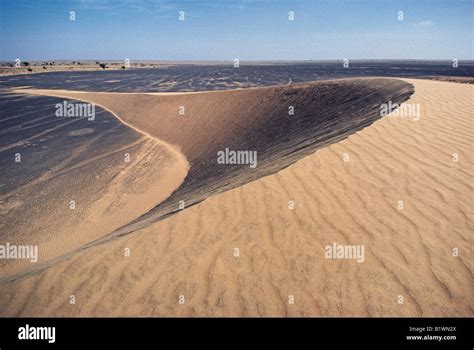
44, 67
30, 70
26, 63
123, 67
103, 65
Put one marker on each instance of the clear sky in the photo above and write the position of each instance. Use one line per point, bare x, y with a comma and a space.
244, 29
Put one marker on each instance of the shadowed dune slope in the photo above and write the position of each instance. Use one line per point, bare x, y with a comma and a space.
257, 119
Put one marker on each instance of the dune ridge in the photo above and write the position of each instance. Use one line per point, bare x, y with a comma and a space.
249, 119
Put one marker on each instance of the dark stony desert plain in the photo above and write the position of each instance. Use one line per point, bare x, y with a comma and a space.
214, 190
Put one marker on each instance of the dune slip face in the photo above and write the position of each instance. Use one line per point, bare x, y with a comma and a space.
276, 125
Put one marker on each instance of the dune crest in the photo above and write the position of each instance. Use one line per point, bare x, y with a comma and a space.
280, 123
276, 125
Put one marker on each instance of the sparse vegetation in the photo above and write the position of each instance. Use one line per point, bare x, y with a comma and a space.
30, 69
123, 67
103, 65
26, 64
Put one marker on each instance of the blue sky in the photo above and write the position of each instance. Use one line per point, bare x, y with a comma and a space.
244, 29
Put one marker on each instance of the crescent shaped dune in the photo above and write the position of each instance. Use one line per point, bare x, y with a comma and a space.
323, 147
191, 128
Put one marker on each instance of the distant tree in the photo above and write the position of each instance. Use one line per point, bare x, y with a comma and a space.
79, 63
123, 67
30, 69
44, 67
103, 65
97, 62
26, 63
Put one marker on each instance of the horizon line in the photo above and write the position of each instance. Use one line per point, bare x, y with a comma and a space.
241, 61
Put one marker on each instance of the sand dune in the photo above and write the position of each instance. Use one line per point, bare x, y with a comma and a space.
201, 124
346, 193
